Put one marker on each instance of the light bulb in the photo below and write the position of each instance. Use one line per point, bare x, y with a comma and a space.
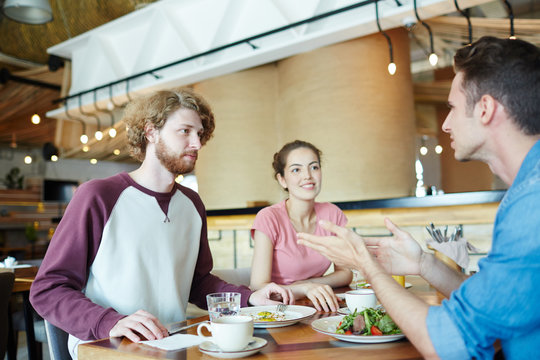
112, 132
433, 59
36, 119
84, 138
438, 149
85, 148
54, 158
116, 152
93, 161
99, 135
512, 37
423, 150
392, 68
27, 159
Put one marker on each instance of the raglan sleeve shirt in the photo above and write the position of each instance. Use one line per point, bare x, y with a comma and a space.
57, 292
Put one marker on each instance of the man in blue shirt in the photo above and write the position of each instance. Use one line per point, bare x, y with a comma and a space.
494, 117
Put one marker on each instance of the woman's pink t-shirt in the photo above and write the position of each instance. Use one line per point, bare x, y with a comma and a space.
292, 262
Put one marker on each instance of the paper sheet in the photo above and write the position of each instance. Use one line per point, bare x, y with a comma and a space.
175, 342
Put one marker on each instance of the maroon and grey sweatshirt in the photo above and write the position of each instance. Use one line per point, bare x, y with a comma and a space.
121, 247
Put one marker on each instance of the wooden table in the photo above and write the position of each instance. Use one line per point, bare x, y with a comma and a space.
298, 341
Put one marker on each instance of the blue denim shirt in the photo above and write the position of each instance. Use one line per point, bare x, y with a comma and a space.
502, 300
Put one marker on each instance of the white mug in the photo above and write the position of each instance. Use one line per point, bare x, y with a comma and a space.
230, 333
360, 299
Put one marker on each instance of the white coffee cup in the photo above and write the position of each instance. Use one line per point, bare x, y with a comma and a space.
360, 299
230, 333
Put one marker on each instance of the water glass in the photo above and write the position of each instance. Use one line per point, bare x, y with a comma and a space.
223, 304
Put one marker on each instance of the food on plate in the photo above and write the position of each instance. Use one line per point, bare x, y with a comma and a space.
370, 322
268, 316
362, 285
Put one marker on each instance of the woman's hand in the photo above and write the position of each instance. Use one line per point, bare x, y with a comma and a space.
322, 296
272, 294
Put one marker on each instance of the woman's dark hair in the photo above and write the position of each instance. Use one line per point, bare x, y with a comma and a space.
280, 158
509, 71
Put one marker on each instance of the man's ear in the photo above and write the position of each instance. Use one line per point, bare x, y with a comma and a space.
487, 105
150, 132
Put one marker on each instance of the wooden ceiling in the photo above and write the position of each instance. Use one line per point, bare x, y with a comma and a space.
23, 53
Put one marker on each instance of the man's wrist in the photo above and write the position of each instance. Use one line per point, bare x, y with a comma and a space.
426, 264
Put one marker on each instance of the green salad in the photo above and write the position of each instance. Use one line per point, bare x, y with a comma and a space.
368, 322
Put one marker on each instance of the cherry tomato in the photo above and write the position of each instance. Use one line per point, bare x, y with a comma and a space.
375, 331
348, 332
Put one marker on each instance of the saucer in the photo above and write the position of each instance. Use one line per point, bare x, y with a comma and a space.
344, 311
209, 348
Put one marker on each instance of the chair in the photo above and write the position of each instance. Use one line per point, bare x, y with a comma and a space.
57, 340
241, 276
6, 286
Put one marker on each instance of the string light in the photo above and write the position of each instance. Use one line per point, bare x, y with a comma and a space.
85, 148
433, 58
98, 135
28, 159
438, 149
54, 158
116, 152
511, 17
468, 21
84, 137
35, 119
112, 130
93, 161
391, 66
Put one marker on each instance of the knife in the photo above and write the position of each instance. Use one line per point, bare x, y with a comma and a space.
182, 328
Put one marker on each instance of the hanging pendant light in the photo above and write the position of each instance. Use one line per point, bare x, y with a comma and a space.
33, 12
391, 65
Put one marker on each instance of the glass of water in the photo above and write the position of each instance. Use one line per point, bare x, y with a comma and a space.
222, 304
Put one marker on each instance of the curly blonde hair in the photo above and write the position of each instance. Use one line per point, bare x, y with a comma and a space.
155, 108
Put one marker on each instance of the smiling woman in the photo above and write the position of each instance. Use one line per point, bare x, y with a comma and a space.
277, 258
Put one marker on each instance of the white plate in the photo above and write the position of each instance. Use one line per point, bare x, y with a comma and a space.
329, 325
353, 285
293, 314
344, 311
212, 349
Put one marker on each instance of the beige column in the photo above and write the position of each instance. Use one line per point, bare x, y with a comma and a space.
235, 167
342, 99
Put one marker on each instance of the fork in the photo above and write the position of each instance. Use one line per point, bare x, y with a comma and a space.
281, 308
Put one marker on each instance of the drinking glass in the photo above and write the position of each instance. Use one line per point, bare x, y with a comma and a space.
222, 304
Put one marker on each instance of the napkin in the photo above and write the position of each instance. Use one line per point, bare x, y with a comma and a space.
175, 342
457, 250
8, 262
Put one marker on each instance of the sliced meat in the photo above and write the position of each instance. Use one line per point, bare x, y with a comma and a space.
359, 324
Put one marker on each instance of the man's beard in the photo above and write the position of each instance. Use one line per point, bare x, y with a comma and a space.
172, 162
